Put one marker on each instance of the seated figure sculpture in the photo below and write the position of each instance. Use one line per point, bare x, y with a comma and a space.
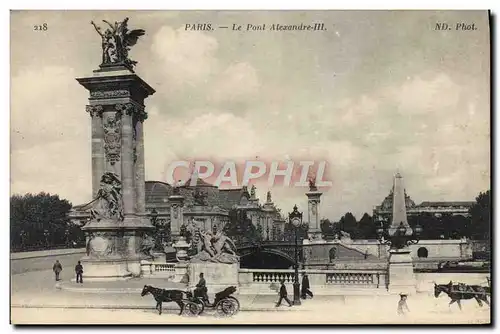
216, 248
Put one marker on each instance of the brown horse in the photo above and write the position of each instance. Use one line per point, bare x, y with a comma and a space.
458, 292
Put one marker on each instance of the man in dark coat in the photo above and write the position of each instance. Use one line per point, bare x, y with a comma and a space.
57, 268
305, 287
79, 272
202, 287
283, 294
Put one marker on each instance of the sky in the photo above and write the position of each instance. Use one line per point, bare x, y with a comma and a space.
376, 93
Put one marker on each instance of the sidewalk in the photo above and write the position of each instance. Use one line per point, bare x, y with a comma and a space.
45, 253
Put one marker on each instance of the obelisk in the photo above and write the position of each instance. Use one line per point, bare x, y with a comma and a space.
116, 233
401, 275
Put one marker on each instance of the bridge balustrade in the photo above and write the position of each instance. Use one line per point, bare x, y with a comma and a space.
335, 277
162, 267
352, 278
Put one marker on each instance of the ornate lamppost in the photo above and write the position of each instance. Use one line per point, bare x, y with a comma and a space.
159, 224
295, 218
66, 237
46, 235
23, 239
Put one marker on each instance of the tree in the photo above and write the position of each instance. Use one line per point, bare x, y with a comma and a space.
480, 216
366, 227
326, 228
240, 227
38, 220
348, 224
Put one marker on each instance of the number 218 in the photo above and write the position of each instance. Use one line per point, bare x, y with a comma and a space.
42, 27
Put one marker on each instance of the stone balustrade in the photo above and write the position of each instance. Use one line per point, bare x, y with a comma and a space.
331, 277
169, 271
161, 267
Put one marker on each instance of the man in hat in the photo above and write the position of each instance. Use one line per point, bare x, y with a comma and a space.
79, 272
305, 286
201, 288
57, 268
402, 306
283, 294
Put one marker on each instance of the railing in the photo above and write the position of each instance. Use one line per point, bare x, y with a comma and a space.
360, 278
164, 267
273, 277
352, 278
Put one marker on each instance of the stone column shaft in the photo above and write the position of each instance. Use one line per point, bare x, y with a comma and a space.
98, 162
127, 160
140, 170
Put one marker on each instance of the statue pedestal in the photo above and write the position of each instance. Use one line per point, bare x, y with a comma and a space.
217, 275
401, 276
112, 253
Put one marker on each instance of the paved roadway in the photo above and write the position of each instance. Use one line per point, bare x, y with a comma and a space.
33, 285
327, 314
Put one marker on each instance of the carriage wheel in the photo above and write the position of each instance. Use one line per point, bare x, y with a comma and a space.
193, 309
227, 307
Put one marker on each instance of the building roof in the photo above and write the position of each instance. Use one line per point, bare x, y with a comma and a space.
445, 204
157, 194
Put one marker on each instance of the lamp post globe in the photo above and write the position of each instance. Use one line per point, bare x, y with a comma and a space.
418, 230
401, 229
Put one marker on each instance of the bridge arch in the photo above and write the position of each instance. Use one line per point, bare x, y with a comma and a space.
265, 259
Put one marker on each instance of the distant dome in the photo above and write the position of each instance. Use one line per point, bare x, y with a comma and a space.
157, 192
387, 202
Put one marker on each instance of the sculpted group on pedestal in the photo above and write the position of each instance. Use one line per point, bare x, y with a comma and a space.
215, 248
117, 41
108, 202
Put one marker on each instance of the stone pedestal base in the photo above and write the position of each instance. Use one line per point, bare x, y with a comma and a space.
315, 235
401, 276
105, 270
217, 275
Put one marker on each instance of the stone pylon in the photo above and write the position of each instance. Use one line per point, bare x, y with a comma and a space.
116, 236
313, 201
400, 270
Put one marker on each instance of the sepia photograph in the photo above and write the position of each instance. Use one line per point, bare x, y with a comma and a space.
258, 167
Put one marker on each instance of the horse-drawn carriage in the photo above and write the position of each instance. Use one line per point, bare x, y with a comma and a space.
194, 304
462, 291
225, 305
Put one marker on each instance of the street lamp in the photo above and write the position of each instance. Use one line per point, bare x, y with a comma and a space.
295, 218
66, 235
23, 239
159, 224
153, 215
46, 235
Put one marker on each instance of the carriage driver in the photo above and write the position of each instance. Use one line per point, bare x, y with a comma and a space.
201, 287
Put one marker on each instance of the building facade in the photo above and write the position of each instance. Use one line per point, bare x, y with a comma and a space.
384, 210
203, 205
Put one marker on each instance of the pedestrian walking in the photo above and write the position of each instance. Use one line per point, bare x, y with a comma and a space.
402, 306
305, 287
79, 272
283, 294
57, 268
